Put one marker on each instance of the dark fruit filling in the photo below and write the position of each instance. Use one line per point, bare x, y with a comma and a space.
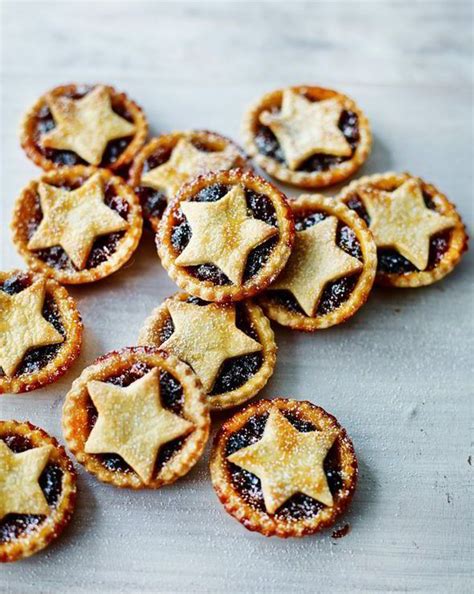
172, 398
260, 206
235, 372
104, 246
13, 526
37, 358
268, 145
337, 292
392, 262
45, 123
299, 506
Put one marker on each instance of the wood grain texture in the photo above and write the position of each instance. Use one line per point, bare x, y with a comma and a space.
398, 376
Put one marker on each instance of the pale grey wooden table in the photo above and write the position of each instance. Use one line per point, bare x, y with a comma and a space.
398, 376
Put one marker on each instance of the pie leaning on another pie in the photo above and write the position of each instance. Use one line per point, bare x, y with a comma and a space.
83, 125
420, 236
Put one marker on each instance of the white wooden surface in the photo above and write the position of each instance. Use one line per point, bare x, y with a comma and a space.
397, 376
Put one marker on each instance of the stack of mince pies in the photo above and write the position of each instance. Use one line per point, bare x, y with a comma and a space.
243, 255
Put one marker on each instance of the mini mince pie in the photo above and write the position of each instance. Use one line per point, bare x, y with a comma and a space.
307, 136
78, 225
83, 125
231, 347
419, 235
284, 467
170, 160
331, 269
137, 418
37, 490
40, 331
226, 235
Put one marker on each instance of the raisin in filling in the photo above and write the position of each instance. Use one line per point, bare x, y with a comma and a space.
45, 122
36, 358
337, 292
172, 398
248, 485
260, 206
268, 145
14, 526
234, 372
103, 247
389, 261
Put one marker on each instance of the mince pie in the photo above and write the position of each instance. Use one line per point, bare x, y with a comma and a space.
37, 490
284, 467
137, 418
78, 225
226, 235
41, 331
331, 269
83, 125
170, 160
231, 347
419, 235
307, 136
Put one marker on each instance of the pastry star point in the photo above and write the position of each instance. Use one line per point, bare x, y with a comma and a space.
402, 221
73, 219
22, 326
287, 462
304, 128
205, 336
186, 161
133, 423
20, 492
85, 125
223, 234
316, 260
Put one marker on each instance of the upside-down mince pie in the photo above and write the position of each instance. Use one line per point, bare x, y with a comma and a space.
40, 331
167, 162
331, 269
420, 237
78, 225
137, 418
37, 490
307, 136
83, 125
231, 347
226, 235
283, 467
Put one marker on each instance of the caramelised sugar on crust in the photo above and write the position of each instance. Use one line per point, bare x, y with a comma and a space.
77, 225
83, 125
419, 235
231, 347
37, 490
168, 161
41, 331
307, 136
137, 418
226, 236
331, 269
283, 467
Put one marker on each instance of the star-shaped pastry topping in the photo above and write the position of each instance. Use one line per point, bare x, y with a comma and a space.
73, 219
287, 462
22, 326
205, 336
85, 125
133, 423
316, 260
223, 234
304, 128
186, 162
402, 221
20, 492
